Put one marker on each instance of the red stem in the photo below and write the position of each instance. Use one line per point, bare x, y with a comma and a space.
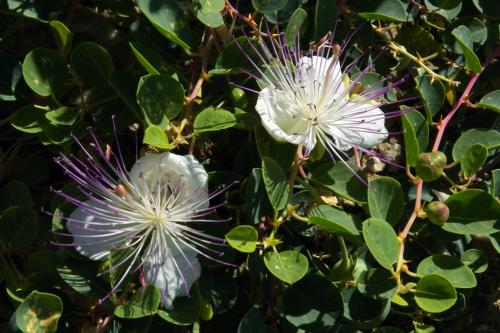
442, 125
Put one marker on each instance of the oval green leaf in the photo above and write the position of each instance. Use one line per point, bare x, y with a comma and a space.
473, 158
44, 71
464, 38
490, 101
473, 212
312, 304
169, 19
385, 199
335, 220
381, 241
275, 182
416, 135
39, 313
92, 63
455, 271
288, 266
377, 283
435, 294
243, 238
489, 138
475, 259
161, 99
213, 119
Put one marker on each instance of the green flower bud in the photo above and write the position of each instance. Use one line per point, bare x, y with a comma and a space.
239, 98
430, 165
206, 311
437, 212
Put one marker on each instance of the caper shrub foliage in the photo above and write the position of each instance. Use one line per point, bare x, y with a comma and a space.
312, 248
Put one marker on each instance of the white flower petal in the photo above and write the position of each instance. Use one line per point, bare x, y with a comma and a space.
281, 119
176, 168
364, 126
173, 271
96, 238
327, 72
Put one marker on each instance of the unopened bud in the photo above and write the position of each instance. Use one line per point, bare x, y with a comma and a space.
437, 212
239, 98
206, 311
336, 49
430, 166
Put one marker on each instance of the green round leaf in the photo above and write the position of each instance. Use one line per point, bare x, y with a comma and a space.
476, 260
161, 99
62, 36
243, 238
473, 158
385, 199
169, 19
478, 30
450, 267
381, 241
335, 220
364, 312
209, 12
143, 303
490, 101
275, 182
44, 71
377, 283
92, 63
18, 227
435, 294
212, 119
156, 137
288, 266
312, 304
448, 9
39, 313
473, 212
489, 138
62, 116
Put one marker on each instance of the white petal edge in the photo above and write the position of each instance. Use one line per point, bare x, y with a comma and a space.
173, 271
268, 108
95, 248
175, 168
